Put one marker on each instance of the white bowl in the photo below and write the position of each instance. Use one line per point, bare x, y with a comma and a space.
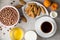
38, 24
30, 35
17, 12
53, 14
39, 4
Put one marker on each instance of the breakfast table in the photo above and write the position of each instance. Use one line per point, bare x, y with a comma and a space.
29, 26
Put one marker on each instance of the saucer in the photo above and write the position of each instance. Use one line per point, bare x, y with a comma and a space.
38, 25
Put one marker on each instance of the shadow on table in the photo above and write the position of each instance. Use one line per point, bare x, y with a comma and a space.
40, 38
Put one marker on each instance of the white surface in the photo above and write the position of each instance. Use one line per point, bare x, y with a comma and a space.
38, 24
30, 35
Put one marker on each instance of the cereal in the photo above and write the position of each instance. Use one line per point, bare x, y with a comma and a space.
8, 16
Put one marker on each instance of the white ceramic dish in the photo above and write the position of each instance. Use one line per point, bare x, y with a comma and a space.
17, 19
53, 14
30, 35
38, 26
41, 14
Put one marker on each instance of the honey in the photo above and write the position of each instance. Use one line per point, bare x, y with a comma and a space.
16, 34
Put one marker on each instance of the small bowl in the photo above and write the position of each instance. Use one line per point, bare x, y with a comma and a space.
53, 14
30, 35
17, 19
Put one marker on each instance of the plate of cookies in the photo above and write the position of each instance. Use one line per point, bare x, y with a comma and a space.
34, 9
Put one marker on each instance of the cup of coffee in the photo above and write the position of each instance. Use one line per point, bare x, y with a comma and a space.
45, 27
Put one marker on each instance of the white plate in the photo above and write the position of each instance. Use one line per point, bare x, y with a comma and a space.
41, 14
38, 25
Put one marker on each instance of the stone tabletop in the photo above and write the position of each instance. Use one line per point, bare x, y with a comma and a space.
57, 34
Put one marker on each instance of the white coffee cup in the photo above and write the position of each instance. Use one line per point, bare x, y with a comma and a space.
38, 25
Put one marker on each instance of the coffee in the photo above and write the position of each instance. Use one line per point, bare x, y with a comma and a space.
46, 27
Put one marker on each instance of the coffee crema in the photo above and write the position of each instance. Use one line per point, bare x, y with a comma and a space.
46, 27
